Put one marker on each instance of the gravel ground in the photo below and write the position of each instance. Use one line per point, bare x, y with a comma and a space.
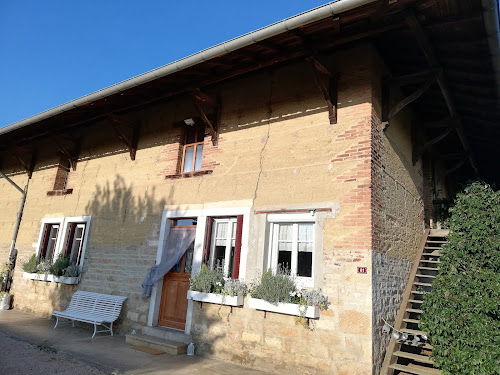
21, 358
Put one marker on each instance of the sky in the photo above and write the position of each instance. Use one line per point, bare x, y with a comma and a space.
52, 52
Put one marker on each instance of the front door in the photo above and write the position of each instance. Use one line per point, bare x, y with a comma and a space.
173, 305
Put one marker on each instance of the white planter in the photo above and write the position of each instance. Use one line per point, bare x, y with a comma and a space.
215, 298
284, 308
5, 302
51, 278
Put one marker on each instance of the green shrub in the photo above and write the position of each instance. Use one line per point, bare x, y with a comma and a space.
31, 264
208, 280
59, 266
462, 313
276, 288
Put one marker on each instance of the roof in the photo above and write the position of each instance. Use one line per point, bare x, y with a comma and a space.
455, 30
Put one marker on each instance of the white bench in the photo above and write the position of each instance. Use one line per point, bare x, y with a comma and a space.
93, 308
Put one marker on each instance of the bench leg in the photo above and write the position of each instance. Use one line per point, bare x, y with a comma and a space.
95, 328
73, 323
111, 329
57, 321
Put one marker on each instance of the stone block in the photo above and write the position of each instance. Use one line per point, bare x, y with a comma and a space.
355, 322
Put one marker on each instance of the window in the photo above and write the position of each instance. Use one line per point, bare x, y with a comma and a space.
62, 174
193, 149
67, 236
291, 246
223, 244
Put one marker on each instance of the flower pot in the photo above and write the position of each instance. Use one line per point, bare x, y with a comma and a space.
284, 308
51, 278
219, 299
5, 301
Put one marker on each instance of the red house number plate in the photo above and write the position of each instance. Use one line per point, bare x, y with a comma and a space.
362, 270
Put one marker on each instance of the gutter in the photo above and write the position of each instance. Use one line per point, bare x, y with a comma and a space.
491, 26
19, 214
316, 14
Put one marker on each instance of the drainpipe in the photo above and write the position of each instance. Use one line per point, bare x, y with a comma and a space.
19, 212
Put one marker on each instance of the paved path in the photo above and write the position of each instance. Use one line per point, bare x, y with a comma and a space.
29, 345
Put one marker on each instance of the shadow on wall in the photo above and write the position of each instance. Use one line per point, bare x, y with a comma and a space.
121, 247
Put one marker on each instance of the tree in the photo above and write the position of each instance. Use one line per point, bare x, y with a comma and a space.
461, 314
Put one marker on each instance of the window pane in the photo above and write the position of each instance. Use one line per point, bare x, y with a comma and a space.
219, 256
305, 246
285, 233
304, 264
231, 257
188, 159
284, 246
305, 232
183, 222
199, 153
285, 260
76, 250
188, 265
78, 233
221, 230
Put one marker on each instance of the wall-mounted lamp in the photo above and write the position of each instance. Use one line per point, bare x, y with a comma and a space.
189, 121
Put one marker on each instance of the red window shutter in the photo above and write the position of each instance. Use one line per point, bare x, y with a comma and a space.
208, 240
237, 247
69, 239
45, 240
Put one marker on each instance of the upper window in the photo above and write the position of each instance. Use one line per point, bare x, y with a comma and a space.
74, 242
223, 245
292, 246
49, 241
193, 149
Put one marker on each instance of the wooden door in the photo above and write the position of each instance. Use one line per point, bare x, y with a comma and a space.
173, 305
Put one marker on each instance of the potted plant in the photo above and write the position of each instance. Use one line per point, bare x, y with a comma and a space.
278, 293
61, 271
209, 285
5, 297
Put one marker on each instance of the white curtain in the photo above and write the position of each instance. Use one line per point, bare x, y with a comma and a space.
178, 241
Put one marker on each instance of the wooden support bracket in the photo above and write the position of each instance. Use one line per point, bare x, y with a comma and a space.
198, 98
71, 156
413, 78
330, 95
410, 98
457, 165
28, 167
130, 142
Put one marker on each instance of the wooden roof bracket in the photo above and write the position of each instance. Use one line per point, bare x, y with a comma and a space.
198, 98
130, 142
72, 156
321, 73
410, 98
457, 165
28, 167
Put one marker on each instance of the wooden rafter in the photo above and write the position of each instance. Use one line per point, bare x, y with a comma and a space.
321, 73
457, 165
422, 76
198, 98
427, 50
130, 142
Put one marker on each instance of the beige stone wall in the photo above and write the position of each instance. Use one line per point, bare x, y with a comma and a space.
276, 149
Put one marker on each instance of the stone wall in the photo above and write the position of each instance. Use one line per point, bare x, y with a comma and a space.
276, 149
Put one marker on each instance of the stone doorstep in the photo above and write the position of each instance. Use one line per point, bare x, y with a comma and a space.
167, 334
168, 346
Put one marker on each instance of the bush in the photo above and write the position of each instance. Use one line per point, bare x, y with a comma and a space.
462, 313
59, 266
208, 280
275, 288
31, 264
71, 271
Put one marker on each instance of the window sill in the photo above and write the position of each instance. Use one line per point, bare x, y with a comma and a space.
284, 308
53, 193
219, 299
51, 278
188, 174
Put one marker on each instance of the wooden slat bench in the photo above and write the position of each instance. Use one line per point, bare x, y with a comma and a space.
93, 308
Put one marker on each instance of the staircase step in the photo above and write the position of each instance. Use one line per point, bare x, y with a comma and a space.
422, 284
428, 268
430, 261
417, 370
415, 321
430, 241
425, 276
418, 311
415, 301
168, 346
418, 292
412, 331
439, 232
167, 334
420, 345
415, 357
433, 254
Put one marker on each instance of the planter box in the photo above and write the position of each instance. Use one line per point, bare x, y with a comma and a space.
284, 308
215, 298
51, 278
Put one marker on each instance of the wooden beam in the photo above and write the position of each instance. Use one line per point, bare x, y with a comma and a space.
330, 94
202, 97
206, 121
410, 98
456, 166
437, 139
413, 78
131, 142
28, 167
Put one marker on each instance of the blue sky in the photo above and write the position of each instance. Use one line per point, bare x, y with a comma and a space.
55, 51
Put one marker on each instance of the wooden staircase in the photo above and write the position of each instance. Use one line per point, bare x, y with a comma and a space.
404, 357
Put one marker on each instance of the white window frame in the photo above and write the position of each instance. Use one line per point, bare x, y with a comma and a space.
229, 240
274, 221
63, 223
